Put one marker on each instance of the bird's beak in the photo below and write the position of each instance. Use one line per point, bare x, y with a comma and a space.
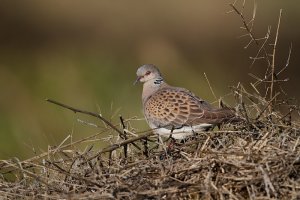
137, 80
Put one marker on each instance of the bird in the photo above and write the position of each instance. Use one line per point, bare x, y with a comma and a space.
175, 111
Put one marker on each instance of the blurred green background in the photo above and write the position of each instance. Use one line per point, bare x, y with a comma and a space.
85, 54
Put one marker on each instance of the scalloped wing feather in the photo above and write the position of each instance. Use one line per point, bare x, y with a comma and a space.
174, 107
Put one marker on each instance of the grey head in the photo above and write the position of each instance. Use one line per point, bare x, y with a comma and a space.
148, 72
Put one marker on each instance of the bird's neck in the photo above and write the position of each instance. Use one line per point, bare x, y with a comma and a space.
151, 86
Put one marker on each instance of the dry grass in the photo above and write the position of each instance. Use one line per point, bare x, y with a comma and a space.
250, 161
256, 159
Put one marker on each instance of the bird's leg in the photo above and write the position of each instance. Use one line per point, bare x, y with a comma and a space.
194, 133
171, 145
172, 129
172, 142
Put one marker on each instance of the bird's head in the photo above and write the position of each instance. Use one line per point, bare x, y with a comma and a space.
146, 73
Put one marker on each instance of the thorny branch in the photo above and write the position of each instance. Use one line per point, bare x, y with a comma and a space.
75, 110
273, 59
251, 34
271, 77
114, 146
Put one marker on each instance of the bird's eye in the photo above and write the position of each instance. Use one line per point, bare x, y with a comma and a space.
147, 73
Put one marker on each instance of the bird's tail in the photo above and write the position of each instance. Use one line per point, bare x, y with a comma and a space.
228, 115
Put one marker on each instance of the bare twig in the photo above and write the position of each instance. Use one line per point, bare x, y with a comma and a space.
268, 183
249, 31
212, 91
273, 59
118, 145
74, 176
287, 60
28, 162
33, 175
266, 107
125, 136
75, 110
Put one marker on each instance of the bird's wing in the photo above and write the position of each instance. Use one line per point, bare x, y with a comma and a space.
176, 107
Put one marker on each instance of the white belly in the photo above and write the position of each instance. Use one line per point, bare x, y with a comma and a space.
182, 132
